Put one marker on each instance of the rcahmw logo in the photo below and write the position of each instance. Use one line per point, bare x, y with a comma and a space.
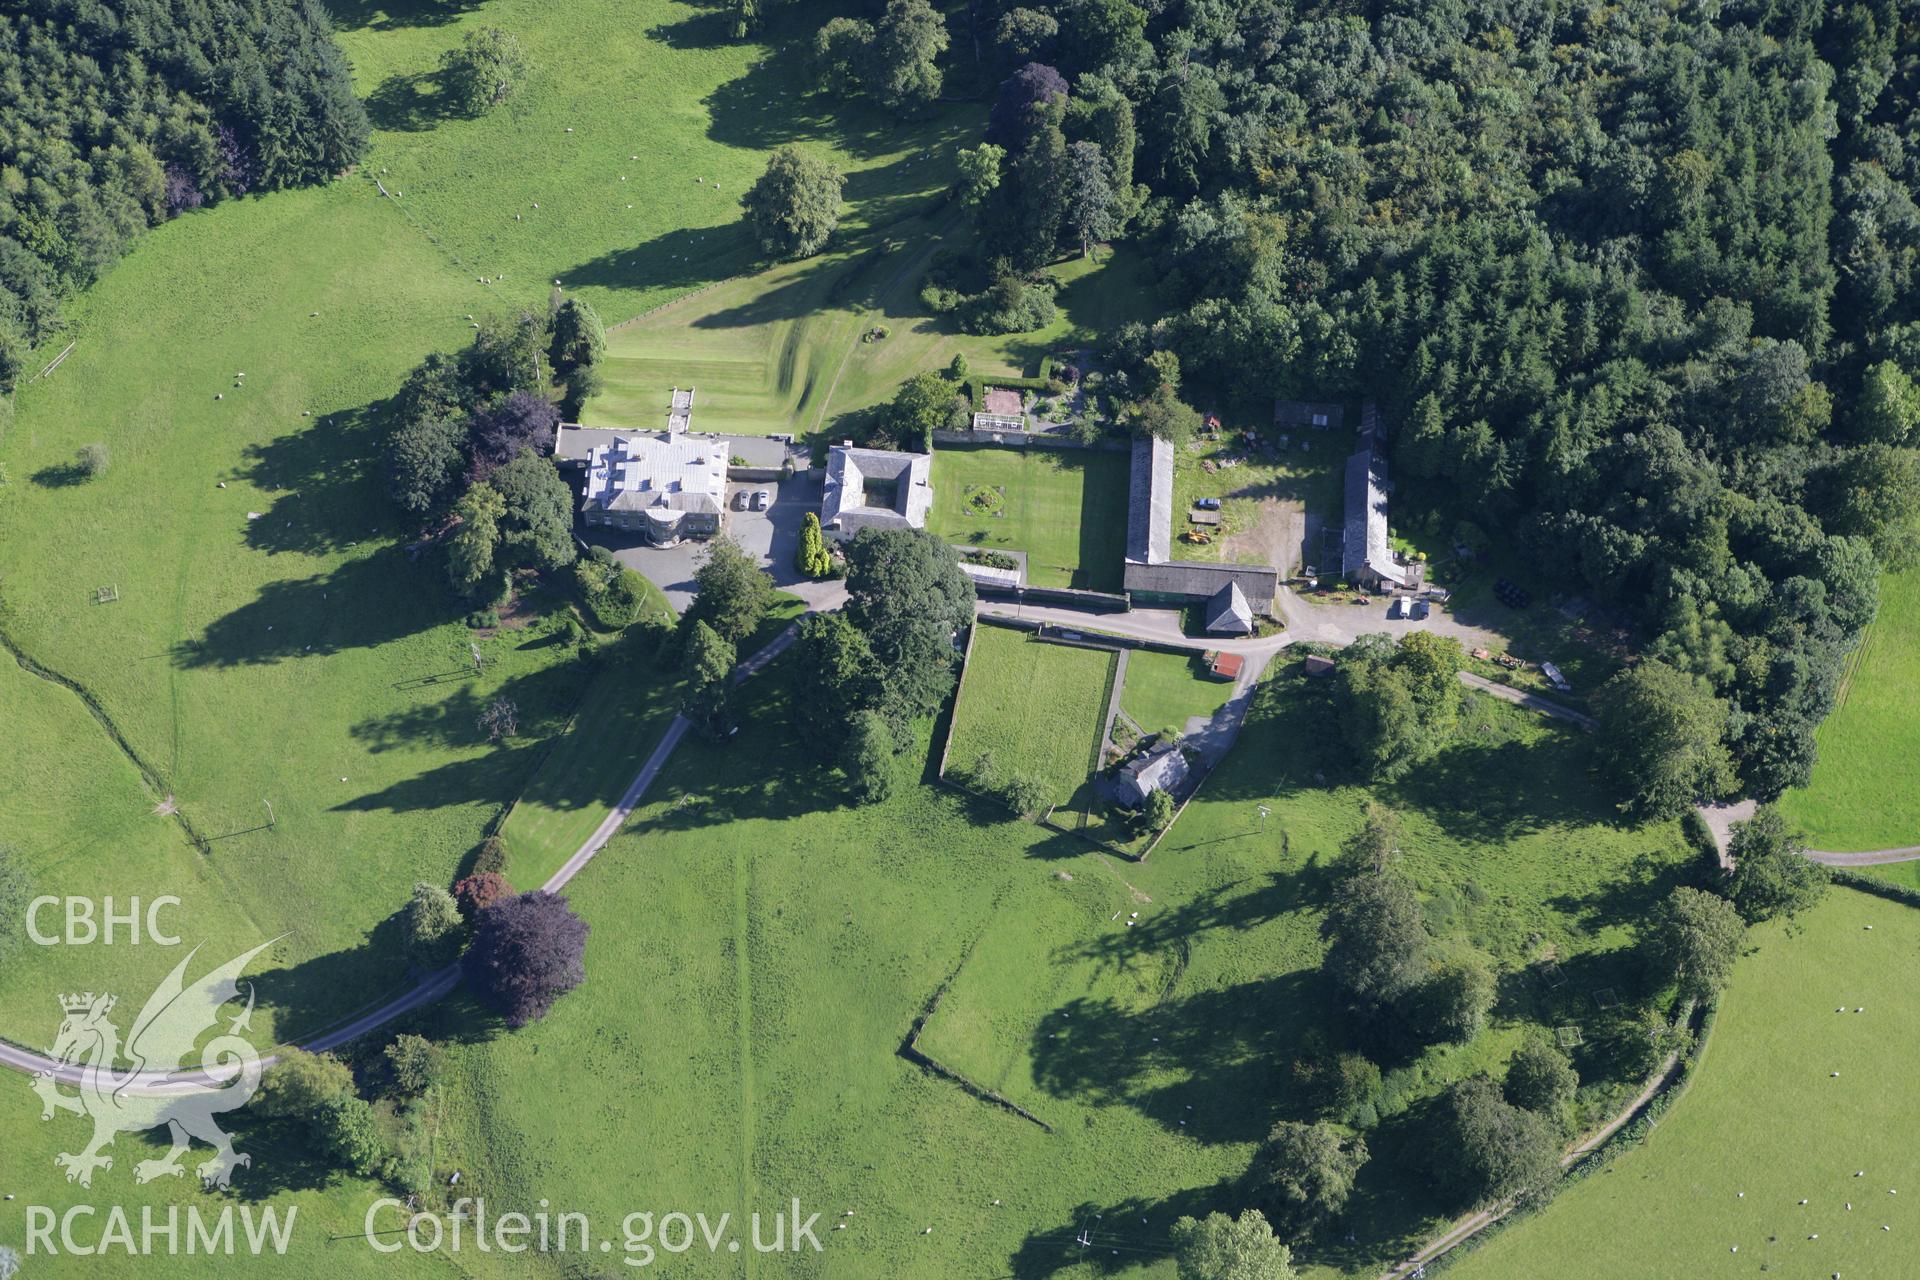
172, 1230
157, 1087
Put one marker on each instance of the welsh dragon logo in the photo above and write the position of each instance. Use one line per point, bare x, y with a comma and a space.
158, 1088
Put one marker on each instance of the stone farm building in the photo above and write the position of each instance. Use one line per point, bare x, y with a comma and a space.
1152, 574
1163, 768
875, 489
664, 486
1366, 554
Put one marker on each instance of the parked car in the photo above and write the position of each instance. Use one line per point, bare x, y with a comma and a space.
1398, 609
1206, 504
761, 497
740, 497
1420, 610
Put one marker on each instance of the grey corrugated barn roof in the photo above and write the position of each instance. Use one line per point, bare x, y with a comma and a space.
1150, 501
1202, 580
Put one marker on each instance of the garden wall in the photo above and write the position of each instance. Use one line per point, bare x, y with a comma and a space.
1099, 601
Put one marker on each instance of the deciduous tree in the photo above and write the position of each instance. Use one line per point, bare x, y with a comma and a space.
483, 70
920, 407
1451, 1004
1483, 1149
415, 1063
795, 204
299, 1083
904, 57
1217, 1247
731, 592
1661, 740
907, 595
1304, 1174
1772, 875
536, 527
1541, 1078
526, 953
433, 920
425, 460
1692, 941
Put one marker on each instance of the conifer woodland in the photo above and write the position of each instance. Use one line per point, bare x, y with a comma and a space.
1634, 283
117, 116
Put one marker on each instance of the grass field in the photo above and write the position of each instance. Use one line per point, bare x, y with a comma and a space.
326, 1209
1066, 508
759, 952
1861, 795
1164, 690
659, 80
58, 764
1035, 708
1763, 1126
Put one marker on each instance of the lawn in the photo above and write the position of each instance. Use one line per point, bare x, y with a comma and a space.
1164, 690
1066, 508
782, 350
1861, 795
760, 951
1036, 709
1765, 1125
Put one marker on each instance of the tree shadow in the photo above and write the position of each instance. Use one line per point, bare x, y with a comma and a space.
1206, 1066
61, 475
1490, 792
513, 767
393, 15
542, 697
1626, 899
404, 103
1118, 1236
774, 103
327, 478
364, 603
681, 259
709, 27
806, 291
